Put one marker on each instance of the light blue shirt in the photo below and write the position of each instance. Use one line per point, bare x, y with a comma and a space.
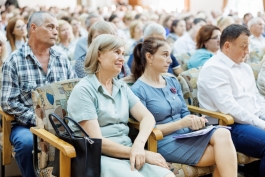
80, 48
199, 57
89, 100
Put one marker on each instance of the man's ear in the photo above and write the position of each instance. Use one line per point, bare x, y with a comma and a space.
227, 45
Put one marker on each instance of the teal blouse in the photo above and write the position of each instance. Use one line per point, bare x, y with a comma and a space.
89, 100
199, 57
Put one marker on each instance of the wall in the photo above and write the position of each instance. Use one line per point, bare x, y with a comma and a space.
206, 5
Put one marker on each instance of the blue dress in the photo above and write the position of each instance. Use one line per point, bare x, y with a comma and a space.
167, 105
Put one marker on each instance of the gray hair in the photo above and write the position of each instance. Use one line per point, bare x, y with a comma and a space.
254, 21
88, 19
154, 29
102, 43
38, 18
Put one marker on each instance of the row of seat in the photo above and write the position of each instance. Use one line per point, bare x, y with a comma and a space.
53, 98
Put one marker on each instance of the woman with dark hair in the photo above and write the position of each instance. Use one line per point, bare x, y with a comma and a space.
207, 44
16, 33
101, 104
167, 23
163, 98
178, 28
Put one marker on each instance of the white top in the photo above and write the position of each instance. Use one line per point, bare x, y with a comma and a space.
230, 88
184, 44
18, 45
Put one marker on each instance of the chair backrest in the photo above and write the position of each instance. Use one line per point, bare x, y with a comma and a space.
190, 81
48, 99
256, 66
183, 59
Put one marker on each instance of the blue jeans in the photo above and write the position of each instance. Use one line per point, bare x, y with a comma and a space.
22, 140
250, 140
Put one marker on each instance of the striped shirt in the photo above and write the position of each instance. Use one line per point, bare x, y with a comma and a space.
22, 72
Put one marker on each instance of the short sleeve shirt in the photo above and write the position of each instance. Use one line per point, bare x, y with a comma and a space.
89, 100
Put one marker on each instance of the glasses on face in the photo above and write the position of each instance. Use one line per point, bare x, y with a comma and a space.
20, 27
215, 37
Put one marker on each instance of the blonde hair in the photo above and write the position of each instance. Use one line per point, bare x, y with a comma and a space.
224, 22
133, 25
61, 23
101, 27
102, 43
4, 50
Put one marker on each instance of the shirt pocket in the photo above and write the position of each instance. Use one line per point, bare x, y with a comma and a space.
25, 90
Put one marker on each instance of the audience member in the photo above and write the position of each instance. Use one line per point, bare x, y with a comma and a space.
257, 40
226, 84
167, 23
261, 79
153, 30
186, 43
207, 44
33, 65
224, 22
65, 41
178, 28
96, 103
16, 34
163, 98
3, 55
246, 18
136, 33
81, 46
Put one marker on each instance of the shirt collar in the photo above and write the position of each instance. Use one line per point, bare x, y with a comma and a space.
97, 85
229, 62
26, 51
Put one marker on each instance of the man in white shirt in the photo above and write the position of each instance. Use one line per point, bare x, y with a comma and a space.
257, 40
226, 84
186, 43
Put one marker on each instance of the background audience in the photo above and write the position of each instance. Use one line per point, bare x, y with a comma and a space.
207, 44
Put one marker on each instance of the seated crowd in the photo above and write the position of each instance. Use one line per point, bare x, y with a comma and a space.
43, 46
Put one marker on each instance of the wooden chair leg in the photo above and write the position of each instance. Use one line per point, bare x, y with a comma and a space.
2, 174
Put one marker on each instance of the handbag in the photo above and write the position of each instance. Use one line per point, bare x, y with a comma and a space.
88, 150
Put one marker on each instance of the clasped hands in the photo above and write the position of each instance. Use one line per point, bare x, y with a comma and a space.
139, 156
194, 122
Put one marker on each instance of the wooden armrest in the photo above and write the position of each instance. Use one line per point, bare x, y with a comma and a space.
5, 116
227, 119
156, 134
67, 149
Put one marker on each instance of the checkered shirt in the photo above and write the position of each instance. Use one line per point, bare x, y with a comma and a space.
22, 72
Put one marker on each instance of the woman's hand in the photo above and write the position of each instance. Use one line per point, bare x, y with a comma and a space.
137, 155
194, 122
155, 159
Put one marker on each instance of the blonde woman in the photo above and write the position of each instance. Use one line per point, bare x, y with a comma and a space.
65, 41
136, 33
96, 103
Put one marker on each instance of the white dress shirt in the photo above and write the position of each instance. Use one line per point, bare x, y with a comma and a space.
184, 44
230, 88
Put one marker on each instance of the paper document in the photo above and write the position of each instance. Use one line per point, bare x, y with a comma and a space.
200, 132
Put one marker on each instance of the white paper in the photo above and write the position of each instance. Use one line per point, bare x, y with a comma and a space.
200, 132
